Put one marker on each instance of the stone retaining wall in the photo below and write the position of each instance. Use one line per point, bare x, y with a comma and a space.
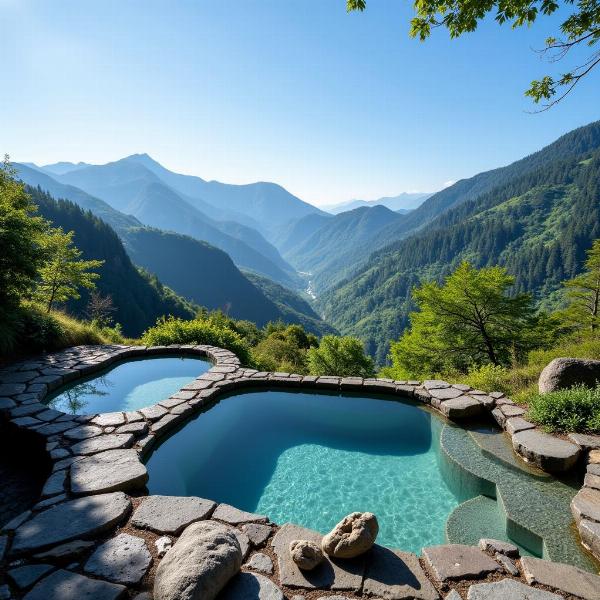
84, 520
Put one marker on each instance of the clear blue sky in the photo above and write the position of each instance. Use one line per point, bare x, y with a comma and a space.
332, 106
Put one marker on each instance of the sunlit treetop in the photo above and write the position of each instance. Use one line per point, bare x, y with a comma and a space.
580, 29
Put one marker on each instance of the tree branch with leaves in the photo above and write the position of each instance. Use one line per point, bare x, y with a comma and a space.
580, 29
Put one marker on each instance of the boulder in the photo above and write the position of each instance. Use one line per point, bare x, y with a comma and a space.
352, 536
306, 554
564, 373
199, 565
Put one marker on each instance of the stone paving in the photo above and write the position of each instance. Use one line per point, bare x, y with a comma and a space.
94, 532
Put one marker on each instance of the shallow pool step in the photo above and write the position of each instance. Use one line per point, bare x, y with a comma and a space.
477, 518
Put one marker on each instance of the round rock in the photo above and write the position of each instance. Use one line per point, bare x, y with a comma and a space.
200, 564
352, 536
306, 554
564, 373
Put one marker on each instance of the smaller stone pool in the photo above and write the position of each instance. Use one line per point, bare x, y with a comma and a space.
130, 385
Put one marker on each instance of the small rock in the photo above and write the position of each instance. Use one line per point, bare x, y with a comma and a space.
163, 544
234, 516
307, 555
506, 548
122, 559
352, 536
262, 563
507, 564
251, 586
594, 457
200, 564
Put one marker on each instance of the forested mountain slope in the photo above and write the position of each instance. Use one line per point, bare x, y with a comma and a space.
538, 224
138, 298
340, 243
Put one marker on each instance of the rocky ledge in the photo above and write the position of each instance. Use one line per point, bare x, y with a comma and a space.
94, 534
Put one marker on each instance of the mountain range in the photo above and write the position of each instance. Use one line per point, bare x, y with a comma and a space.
402, 203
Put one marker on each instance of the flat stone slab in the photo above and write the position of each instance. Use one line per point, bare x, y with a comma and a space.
122, 559
546, 451
83, 432
83, 517
444, 393
585, 440
171, 514
108, 471
395, 575
586, 504
461, 407
109, 419
260, 562
508, 589
344, 574
251, 586
26, 576
235, 516
564, 578
66, 551
506, 548
590, 535
456, 561
65, 585
102, 443
257, 533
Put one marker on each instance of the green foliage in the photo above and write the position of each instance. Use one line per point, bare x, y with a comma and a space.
581, 28
171, 330
468, 321
21, 230
342, 356
63, 272
583, 293
284, 348
489, 378
575, 409
536, 218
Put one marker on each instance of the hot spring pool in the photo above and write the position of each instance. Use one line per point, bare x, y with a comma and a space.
311, 459
129, 385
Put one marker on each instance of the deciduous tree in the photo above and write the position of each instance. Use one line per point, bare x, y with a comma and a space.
342, 356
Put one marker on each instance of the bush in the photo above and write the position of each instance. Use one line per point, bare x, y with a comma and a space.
489, 378
171, 330
575, 409
342, 356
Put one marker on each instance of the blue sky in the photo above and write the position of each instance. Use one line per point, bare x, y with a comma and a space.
330, 105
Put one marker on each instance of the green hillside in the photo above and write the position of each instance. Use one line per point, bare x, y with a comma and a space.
537, 224
138, 298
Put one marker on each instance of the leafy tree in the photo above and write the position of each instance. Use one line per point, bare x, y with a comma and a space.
580, 29
584, 292
63, 271
469, 320
284, 348
343, 356
21, 231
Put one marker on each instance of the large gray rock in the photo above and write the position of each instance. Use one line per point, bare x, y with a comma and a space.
65, 585
199, 565
564, 578
251, 586
564, 373
171, 514
352, 536
122, 559
455, 561
508, 589
548, 452
331, 573
395, 575
108, 471
80, 518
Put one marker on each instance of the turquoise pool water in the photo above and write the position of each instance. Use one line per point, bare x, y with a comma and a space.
129, 385
311, 459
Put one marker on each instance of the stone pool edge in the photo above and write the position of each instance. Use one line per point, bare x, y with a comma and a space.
78, 444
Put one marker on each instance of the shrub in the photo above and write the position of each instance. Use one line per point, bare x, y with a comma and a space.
489, 378
575, 409
342, 356
171, 330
